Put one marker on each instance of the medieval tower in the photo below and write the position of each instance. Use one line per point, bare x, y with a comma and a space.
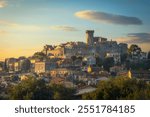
90, 37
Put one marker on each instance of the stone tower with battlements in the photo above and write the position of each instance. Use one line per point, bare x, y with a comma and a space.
90, 37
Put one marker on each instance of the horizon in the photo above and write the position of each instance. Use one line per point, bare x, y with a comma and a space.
52, 45
27, 25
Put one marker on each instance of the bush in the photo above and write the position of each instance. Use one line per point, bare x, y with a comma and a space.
120, 88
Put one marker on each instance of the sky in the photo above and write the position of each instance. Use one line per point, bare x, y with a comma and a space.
27, 25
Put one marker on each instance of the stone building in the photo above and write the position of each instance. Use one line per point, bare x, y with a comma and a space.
42, 67
123, 48
90, 37
115, 56
9, 64
24, 65
95, 46
62, 72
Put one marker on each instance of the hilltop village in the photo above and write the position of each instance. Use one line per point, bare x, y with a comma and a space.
78, 65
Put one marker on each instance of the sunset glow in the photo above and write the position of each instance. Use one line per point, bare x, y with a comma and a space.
27, 25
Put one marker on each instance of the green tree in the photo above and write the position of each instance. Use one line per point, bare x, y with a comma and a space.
1, 65
140, 65
39, 55
120, 88
33, 89
30, 89
62, 93
134, 50
25, 65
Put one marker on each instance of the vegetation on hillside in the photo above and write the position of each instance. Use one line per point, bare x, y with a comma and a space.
113, 89
33, 89
120, 88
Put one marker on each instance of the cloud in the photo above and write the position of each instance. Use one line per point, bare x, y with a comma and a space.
3, 32
27, 27
124, 40
3, 3
7, 23
135, 38
140, 37
108, 18
22, 27
19, 27
64, 28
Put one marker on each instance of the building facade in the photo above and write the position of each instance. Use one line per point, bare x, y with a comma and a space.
90, 37
42, 67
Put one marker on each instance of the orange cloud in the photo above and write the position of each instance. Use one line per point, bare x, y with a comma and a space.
134, 40
7, 23
27, 27
3, 32
64, 28
20, 27
3, 3
125, 39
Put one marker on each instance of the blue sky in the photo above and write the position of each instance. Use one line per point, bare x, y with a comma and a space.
27, 25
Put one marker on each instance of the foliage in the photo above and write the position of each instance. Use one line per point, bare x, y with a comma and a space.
140, 65
25, 65
62, 93
120, 88
134, 48
40, 56
33, 89
115, 88
30, 89
1, 64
